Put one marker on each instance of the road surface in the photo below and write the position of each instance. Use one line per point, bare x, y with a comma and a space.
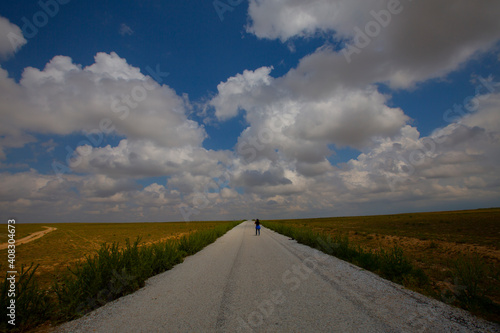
269, 283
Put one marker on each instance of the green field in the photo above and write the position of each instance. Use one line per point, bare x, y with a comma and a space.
442, 244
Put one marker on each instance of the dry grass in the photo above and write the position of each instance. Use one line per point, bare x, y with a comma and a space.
22, 230
118, 268
433, 242
71, 242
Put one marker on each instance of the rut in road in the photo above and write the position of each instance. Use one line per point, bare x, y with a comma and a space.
269, 283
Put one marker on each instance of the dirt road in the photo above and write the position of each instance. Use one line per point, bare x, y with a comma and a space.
29, 238
269, 283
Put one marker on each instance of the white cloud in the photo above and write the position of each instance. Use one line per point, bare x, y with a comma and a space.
109, 96
35, 197
348, 119
295, 120
457, 167
11, 38
287, 19
452, 161
282, 161
325, 100
144, 158
237, 92
101, 186
302, 126
281, 164
403, 51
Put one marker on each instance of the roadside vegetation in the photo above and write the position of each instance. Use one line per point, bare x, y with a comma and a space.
451, 256
114, 270
72, 242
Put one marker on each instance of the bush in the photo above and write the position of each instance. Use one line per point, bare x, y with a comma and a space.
197, 241
469, 272
32, 304
114, 272
109, 274
392, 264
367, 259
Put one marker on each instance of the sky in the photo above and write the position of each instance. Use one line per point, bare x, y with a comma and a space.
149, 110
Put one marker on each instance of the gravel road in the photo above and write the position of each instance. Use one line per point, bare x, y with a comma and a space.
269, 283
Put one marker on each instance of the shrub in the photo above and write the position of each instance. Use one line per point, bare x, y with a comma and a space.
391, 264
469, 272
114, 272
32, 304
367, 259
394, 265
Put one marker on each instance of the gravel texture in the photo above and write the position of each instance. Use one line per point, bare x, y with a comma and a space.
269, 283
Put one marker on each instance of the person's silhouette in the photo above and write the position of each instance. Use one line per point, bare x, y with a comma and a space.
257, 227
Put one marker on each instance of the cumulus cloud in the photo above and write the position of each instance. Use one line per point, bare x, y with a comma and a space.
144, 158
326, 100
332, 99
287, 19
299, 126
11, 38
35, 197
349, 119
282, 161
238, 92
101, 186
110, 96
401, 51
457, 164
458, 161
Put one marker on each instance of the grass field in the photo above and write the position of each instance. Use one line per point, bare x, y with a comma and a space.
71, 242
25, 230
445, 245
452, 248
106, 261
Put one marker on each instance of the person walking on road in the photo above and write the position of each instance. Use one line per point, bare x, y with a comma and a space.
257, 227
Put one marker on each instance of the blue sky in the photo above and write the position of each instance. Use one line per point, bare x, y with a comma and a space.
186, 110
